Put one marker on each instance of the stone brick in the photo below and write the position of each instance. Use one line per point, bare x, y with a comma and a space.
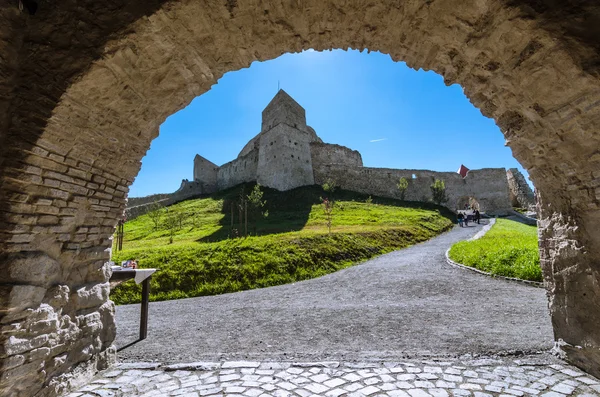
102, 103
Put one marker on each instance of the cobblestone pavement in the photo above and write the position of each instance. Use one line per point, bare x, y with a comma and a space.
478, 378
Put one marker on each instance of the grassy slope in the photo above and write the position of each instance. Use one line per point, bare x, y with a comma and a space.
291, 244
509, 249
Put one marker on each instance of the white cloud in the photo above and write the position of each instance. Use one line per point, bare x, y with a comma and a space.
378, 140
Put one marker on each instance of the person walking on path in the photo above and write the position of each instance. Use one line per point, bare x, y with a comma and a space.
460, 218
477, 216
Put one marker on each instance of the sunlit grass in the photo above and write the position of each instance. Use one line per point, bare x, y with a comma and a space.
509, 249
291, 244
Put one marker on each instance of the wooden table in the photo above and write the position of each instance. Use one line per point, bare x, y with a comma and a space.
142, 276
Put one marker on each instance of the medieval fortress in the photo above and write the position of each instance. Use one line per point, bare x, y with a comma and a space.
287, 153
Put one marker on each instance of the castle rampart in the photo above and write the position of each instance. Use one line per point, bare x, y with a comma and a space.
487, 186
325, 153
240, 170
287, 153
284, 160
521, 194
205, 171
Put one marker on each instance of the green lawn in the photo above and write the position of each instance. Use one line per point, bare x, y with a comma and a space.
509, 249
291, 244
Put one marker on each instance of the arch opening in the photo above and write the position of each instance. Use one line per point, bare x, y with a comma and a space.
61, 194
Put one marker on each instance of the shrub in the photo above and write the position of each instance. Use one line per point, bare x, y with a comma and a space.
402, 187
438, 191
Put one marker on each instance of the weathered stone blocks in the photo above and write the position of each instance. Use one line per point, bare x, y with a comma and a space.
94, 104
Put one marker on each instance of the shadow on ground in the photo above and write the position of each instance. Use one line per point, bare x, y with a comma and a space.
288, 211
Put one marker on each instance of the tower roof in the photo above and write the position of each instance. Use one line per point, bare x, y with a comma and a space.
283, 109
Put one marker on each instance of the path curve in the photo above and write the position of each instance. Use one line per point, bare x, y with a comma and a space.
406, 304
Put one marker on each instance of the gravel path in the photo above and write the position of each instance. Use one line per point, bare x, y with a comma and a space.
406, 304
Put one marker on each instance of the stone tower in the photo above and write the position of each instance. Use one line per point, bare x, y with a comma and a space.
283, 109
284, 156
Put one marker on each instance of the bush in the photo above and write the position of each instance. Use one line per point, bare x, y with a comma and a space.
438, 191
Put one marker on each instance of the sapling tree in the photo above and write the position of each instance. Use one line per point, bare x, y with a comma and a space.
328, 202
438, 191
156, 213
257, 205
180, 217
328, 210
171, 223
402, 186
330, 187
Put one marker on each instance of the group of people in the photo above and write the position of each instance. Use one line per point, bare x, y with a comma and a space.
463, 217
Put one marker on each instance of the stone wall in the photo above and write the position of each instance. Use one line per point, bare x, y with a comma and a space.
284, 158
135, 201
488, 186
243, 169
84, 88
521, 194
187, 190
283, 109
325, 153
250, 146
205, 171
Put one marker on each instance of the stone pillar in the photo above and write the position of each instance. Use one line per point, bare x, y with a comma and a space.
570, 258
57, 324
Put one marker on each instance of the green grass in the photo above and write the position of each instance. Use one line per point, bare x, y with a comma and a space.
291, 244
508, 249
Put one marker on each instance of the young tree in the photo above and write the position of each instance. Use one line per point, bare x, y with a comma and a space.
156, 213
328, 210
257, 205
402, 186
241, 205
329, 187
328, 202
171, 223
438, 191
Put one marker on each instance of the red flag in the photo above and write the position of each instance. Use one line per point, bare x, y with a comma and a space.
463, 171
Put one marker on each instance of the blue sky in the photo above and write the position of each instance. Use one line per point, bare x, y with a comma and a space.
394, 116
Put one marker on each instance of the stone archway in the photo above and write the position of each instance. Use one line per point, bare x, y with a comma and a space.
84, 87
469, 201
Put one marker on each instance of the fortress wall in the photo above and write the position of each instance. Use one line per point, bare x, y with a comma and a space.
488, 186
240, 170
205, 171
187, 190
135, 201
521, 194
284, 158
283, 109
250, 146
325, 153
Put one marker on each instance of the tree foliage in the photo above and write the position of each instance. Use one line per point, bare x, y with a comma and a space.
156, 213
438, 191
257, 205
402, 187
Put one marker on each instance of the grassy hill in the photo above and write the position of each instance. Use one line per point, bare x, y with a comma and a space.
291, 244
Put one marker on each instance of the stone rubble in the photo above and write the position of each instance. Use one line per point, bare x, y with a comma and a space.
477, 378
